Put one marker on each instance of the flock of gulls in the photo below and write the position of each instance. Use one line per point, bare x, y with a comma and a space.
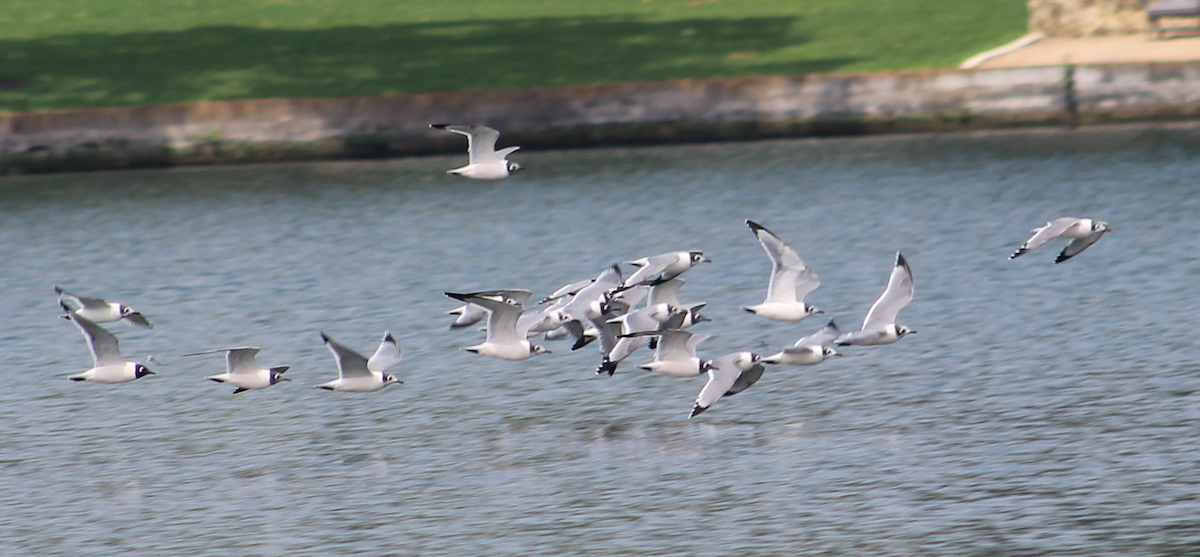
619, 312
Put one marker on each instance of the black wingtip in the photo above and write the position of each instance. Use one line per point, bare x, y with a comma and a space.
696, 410
1062, 257
438, 126
240, 390
77, 379
65, 308
387, 337
580, 343
755, 226
607, 367
280, 369
901, 261
324, 337
57, 290
458, 296
1017, 254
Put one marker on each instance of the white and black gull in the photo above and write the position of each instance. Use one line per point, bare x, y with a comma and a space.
1082, 233
108, 366
809, 350
879, 327
790, 280
484, 161
359, 374
98, 310
504, 340
727, 376
242, 370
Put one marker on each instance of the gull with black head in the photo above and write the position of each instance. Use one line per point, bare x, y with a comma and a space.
108, 366
790, 280
1081, 232
242, 371
879, 327
99, 310
359, 374
485, 162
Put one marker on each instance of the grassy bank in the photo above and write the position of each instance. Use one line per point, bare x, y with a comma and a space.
83, 53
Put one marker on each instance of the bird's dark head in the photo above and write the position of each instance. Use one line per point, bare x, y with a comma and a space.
697, 257
901, 330
388, 379
140, 371
828, 351
512, 166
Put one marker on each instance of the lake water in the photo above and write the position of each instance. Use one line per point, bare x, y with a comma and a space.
1041, 408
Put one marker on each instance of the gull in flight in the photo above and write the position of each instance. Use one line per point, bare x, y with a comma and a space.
359, 374
470, 314
880, 326
243, 372
1081, 232
727, 376
108, 366
790, 281
504, 339
486, 163
809, 350
675, 354
97, 310
663, 267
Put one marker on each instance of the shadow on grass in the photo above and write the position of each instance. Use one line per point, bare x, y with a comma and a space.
243, 62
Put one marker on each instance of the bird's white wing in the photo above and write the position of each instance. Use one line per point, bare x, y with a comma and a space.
241, 360
517, 295
673, 345
722, 373
481, 141
386, 355
502, 317
746, 379
1077, 245
695, 342
349, 362
899, 293
791, 280
567, 290
1050, 231
103, 344
80, 301
825, 336
666, 292
505, 152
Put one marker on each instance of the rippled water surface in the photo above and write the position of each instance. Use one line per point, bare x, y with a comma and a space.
1041, 408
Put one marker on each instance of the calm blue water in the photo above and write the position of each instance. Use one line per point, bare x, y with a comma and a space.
1041, 408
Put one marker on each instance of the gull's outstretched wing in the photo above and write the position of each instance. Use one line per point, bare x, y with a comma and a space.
80, 301
349, 362
825, 336
386, 355
102, 344
1050, 231
481, 141
1079, 244
791, 280
899, 293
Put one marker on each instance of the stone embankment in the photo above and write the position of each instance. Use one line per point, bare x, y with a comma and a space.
591, 115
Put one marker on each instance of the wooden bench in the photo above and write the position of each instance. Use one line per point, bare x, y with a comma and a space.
1171, 8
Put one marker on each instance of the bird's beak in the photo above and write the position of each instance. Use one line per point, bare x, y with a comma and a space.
284, 379
838, 354
706, 260
820, 312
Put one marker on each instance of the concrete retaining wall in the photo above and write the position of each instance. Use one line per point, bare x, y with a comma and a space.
657, 112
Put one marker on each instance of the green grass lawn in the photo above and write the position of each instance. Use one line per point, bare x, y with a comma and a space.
81, 53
